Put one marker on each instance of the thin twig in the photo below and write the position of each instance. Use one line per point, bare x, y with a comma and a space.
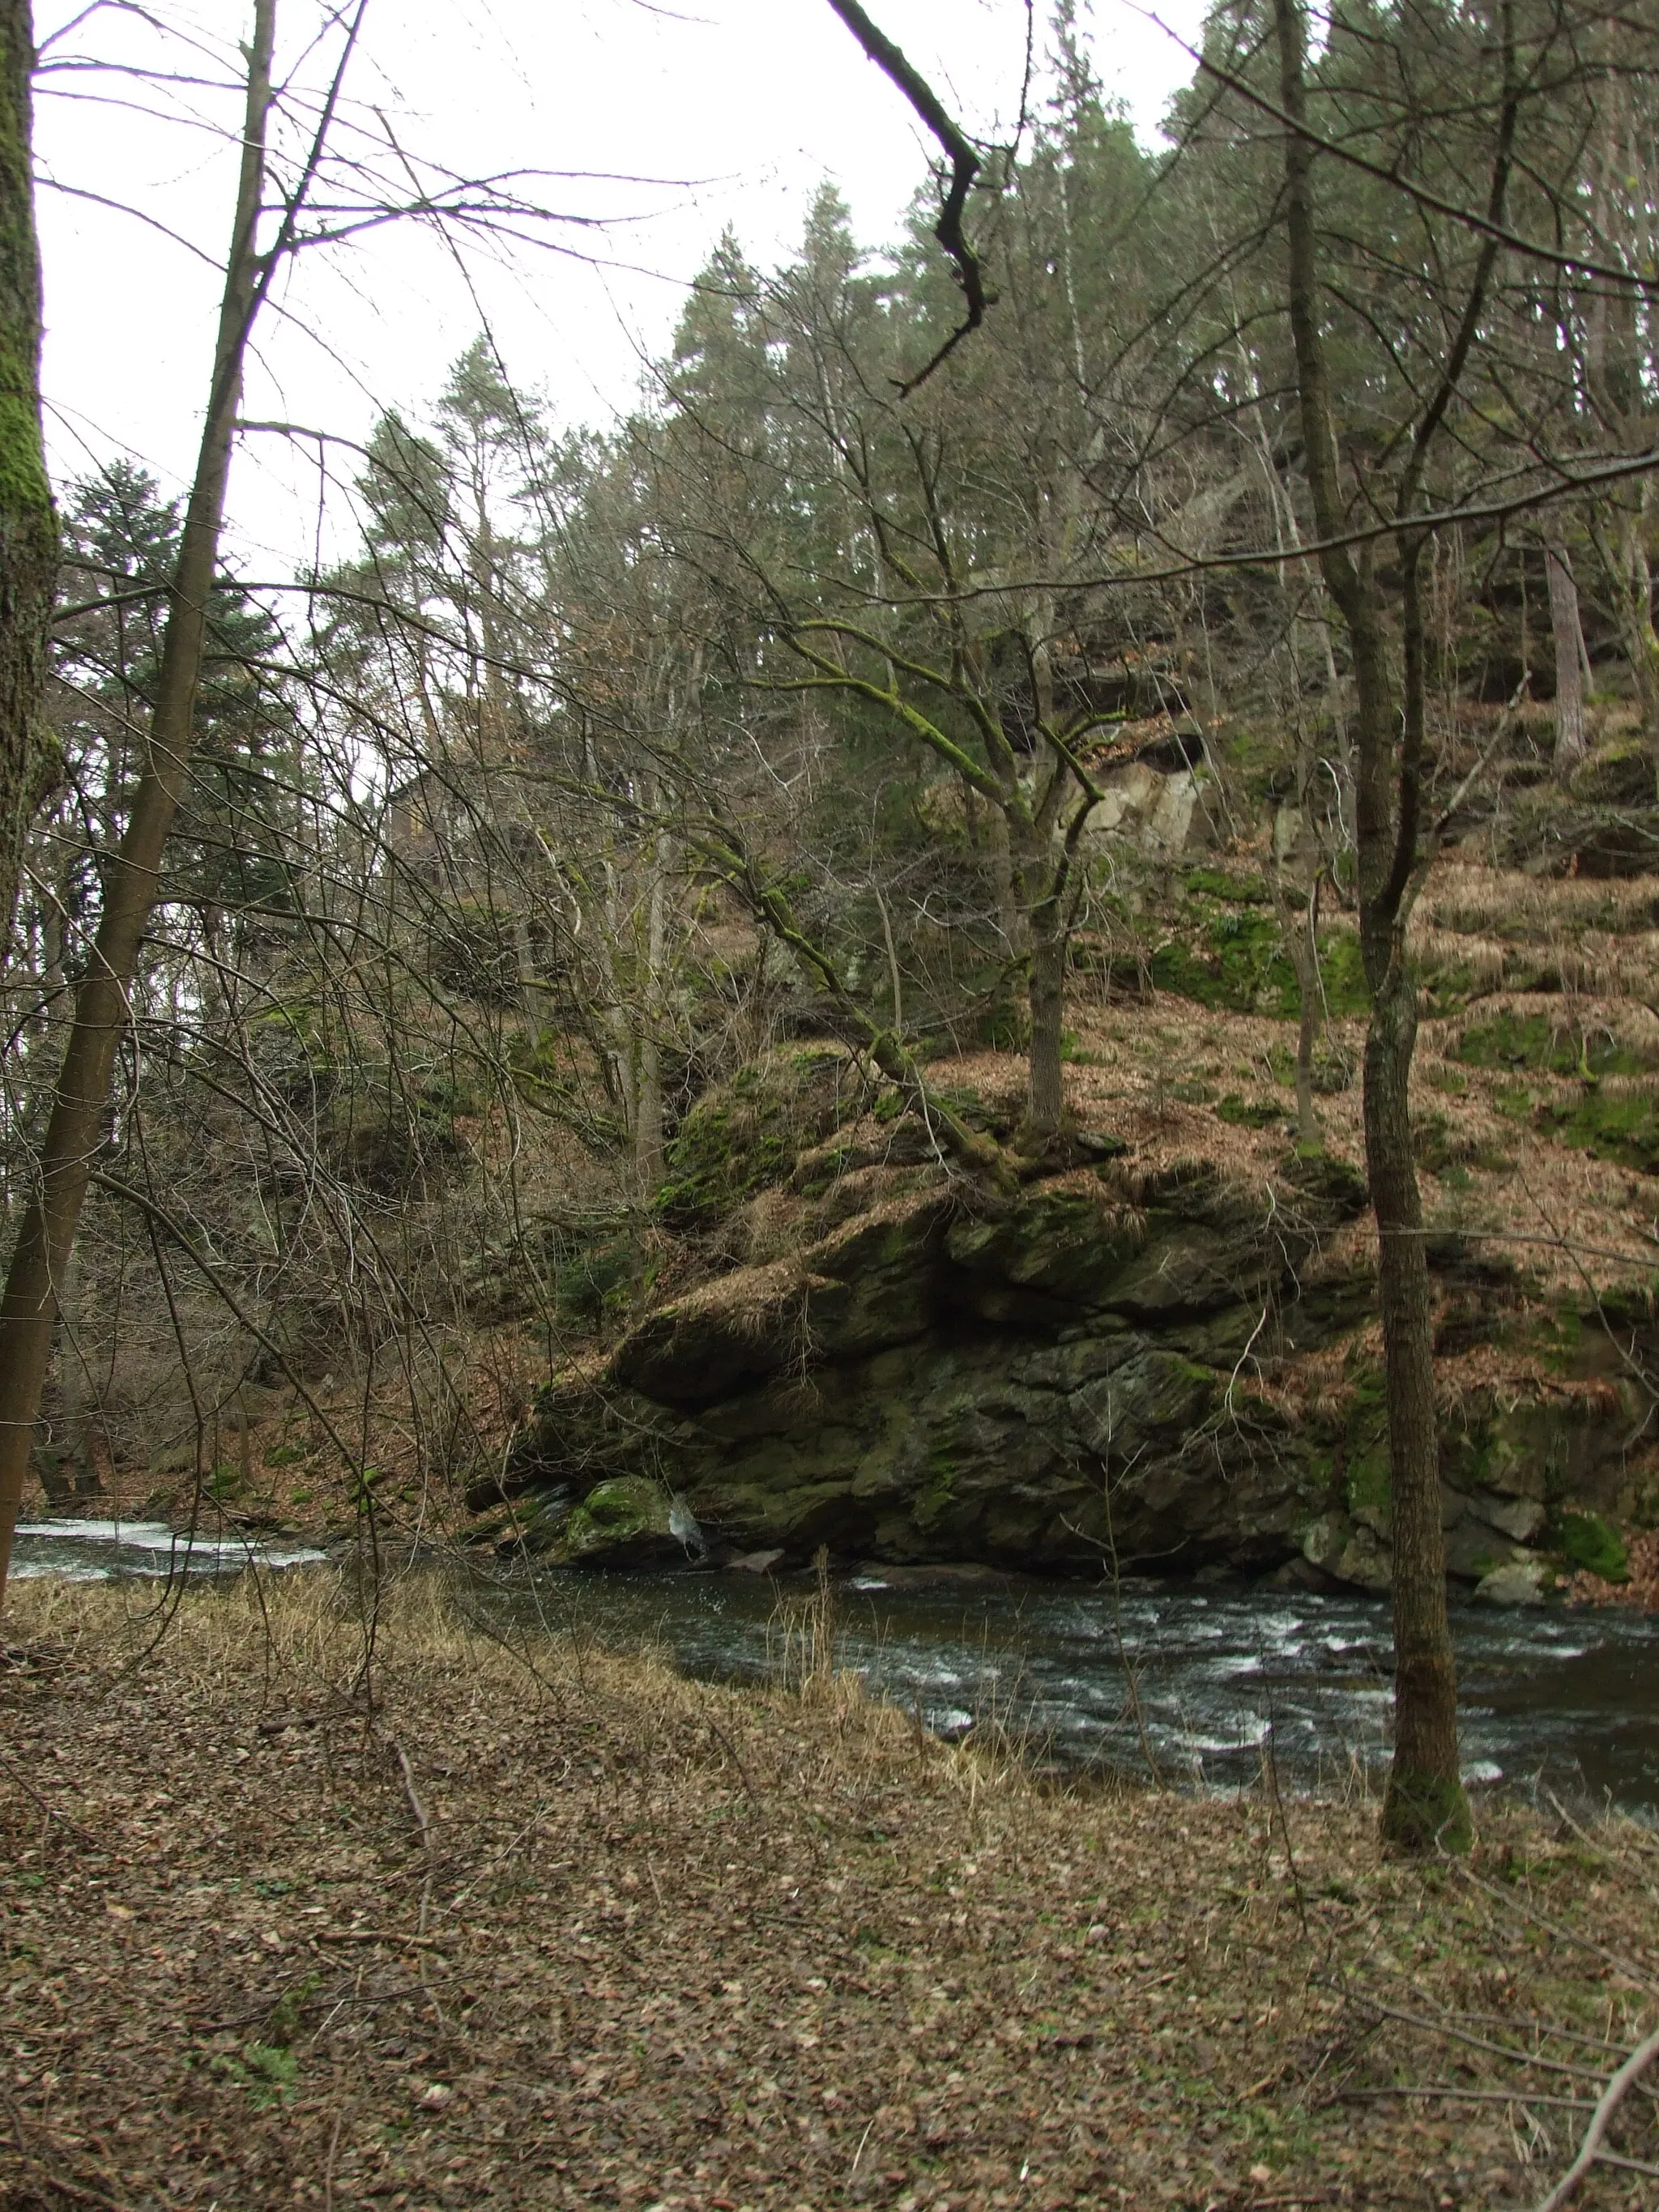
1464, 2096
1475, 2042
731, 1751
50, 1812
1612, 2097
424, 1821
328, 2170
1639, 1975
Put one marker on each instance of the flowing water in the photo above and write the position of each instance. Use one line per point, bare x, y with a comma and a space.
96, 1551
1200, 1683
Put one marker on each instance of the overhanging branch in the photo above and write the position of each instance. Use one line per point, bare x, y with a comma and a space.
964, 168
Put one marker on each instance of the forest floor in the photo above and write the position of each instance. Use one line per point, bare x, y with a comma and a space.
544, 1926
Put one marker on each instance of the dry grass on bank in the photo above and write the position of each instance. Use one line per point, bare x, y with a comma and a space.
612, 1938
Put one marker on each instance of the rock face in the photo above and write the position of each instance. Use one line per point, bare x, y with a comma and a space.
1163, 1367
1042, 1386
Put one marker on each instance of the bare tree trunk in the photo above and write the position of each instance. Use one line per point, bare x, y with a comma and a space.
1425, 1807
75, 1458
1304, 958
1045, 1096
649, 1106
1570, 744
28, 528
1011, 915
1641, 639
532, 993
82, 1105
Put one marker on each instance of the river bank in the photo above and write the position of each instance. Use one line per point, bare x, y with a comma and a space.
551, 1926
1179, 1682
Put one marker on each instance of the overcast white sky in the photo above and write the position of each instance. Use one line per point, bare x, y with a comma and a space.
745, 105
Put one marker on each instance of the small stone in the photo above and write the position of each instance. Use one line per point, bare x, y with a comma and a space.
1323, 1541
1521, 1582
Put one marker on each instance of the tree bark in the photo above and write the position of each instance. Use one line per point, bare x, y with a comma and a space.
1425, 1807
75, 1134
1570, 744
1304, 958
1045, 1097
648, 1131
1641, 639
28, 526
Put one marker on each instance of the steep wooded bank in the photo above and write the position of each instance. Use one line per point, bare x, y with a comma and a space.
1128, 593
1163, 1354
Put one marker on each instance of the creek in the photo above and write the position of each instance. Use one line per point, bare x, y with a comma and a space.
1204, 1683
102, 1550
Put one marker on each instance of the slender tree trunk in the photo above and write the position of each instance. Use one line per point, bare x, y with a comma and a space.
28, 528
1641, 640
1424, 1805
648, 1111
1570, 744
1045, 1097
1011, 915
532, 993
75, 1461
1304, 958
81, 1107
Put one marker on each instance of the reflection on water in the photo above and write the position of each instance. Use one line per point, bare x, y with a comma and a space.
1550, 1698
1200, 1682
96, 1551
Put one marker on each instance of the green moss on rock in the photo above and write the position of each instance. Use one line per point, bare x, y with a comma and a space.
746, 1135
1590, 1542
622, 1522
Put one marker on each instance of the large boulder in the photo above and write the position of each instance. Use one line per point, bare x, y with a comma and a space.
623, 1522
1058, 1381
1051, 1383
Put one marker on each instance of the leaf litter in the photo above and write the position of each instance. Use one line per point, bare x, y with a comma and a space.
701, 1950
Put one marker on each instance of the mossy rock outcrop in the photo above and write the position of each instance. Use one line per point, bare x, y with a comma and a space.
623, 1522
1046, 1382
1058, 1381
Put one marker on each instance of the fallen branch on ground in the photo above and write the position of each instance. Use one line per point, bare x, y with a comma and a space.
1590, 2149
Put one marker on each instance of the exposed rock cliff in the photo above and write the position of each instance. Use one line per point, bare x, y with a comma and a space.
1167, 1366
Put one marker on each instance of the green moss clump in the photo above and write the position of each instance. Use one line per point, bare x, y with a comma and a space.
1424, 1814
598, 1281
1367, 1482
1342, 973
1248, 1113
1231, 956
1235, 960
1214, 883
1622, 1129
1590, 1542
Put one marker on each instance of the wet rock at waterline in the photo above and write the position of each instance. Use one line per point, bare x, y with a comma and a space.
1091, 1372
1524, 1580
